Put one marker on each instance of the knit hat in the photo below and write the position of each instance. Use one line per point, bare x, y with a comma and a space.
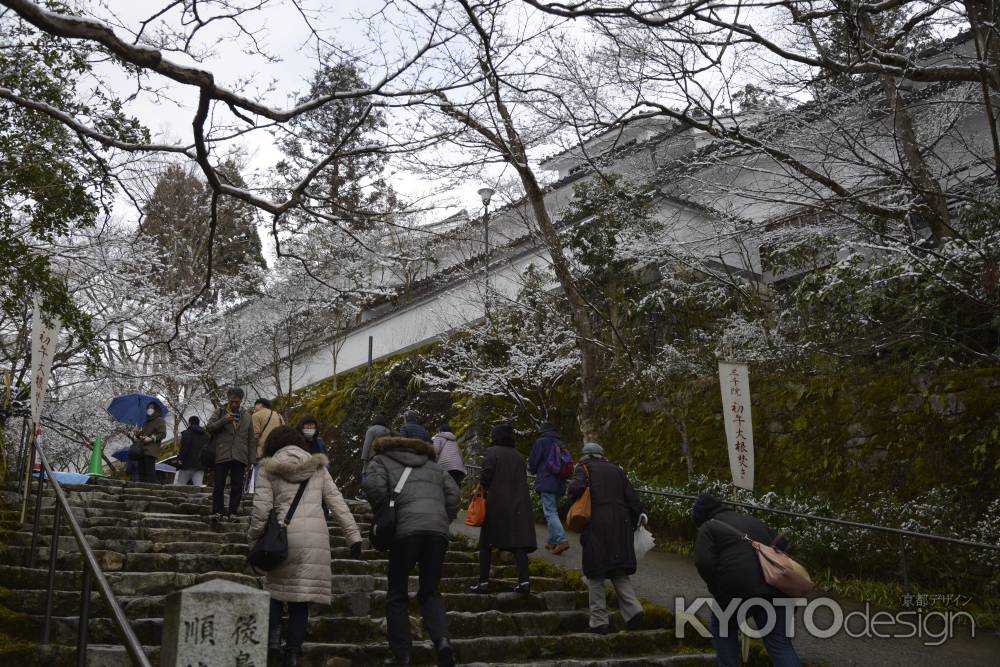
546, 426
705, 507
592, 450
502, 434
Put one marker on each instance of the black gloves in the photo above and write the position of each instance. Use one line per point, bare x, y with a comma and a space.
356, 551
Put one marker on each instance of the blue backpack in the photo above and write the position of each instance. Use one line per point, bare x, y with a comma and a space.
559, 461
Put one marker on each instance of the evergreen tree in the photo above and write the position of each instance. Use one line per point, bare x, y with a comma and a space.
351, 188
177, 217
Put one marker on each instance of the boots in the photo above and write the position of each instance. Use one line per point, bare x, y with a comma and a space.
445, 653
635, 623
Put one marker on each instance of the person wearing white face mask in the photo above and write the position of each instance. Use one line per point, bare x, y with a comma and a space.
309, 428
149, 437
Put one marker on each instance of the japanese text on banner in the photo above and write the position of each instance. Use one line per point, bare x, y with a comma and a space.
44, 339
734, 380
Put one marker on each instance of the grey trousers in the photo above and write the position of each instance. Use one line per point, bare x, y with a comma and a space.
628, 603
185, 477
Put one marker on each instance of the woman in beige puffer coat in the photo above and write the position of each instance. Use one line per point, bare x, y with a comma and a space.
304, 576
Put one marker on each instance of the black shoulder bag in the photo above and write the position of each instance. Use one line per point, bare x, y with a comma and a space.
384, 526
271, 549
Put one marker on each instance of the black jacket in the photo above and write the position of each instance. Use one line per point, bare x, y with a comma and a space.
509, 523
727, 562
608, 541
193, 441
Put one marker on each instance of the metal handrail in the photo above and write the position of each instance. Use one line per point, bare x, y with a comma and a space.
902, 533
91, 569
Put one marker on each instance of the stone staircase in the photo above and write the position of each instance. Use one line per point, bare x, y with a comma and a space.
153, 540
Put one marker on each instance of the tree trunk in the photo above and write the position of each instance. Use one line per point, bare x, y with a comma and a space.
584, 329
681, 426
982, 19
335, 366
938, 217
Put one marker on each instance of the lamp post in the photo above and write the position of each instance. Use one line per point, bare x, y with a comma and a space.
486, 194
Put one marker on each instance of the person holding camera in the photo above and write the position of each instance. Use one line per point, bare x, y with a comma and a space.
235, 449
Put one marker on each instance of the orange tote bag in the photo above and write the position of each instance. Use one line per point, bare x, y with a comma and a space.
476, 515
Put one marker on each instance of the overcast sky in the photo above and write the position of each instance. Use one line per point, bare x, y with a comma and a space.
283, 33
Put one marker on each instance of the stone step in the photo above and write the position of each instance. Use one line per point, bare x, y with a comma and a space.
98, 504
164, 582
18, 553
349, 629
169, 541
131, 527
67, 603
684, 660
161, 492
122, 583
199, 560
578, 648
493, 649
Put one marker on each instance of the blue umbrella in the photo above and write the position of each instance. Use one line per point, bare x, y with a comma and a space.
131, 408
121, 455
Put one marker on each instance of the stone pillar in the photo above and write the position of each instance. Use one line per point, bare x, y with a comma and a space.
215, 624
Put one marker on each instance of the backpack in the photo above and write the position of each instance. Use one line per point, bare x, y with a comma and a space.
207, 457
559, 461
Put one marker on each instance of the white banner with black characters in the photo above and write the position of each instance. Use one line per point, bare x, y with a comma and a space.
44, 339
735, 382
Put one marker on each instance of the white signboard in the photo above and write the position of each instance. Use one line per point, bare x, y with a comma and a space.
43, 348
735, 382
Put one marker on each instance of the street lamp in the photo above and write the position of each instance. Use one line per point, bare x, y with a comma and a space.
486, 194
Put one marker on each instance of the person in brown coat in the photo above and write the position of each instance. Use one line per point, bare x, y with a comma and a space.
263, 420
510, 524
608, 541
304, 576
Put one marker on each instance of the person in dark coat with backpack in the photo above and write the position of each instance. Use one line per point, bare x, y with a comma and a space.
731, 568
509, 524
545, 461
425, 507
190, 469
608, 541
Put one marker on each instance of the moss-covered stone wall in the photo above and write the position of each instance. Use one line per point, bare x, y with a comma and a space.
838, 434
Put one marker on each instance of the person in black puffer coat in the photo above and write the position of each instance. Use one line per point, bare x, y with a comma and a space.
731, 569
425, 508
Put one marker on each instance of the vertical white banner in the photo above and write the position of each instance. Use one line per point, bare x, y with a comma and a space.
43, 348
735, 382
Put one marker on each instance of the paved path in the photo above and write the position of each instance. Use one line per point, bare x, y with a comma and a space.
662, 576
